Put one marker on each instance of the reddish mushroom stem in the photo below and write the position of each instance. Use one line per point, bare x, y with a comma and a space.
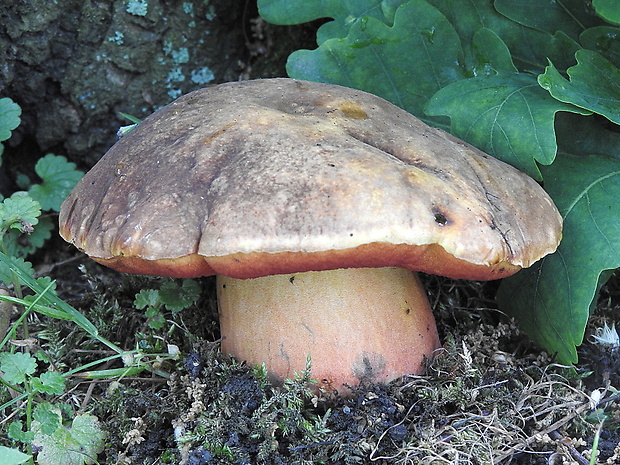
370, 324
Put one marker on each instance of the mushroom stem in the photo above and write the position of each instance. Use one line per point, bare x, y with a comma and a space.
371, 324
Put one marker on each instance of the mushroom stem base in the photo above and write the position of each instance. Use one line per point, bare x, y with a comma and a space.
360, 324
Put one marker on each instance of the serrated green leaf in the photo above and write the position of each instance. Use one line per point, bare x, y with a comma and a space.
608, 9
12, 456
77, 445
17, 433
59, 177
146, 298
50, 382
594, 85
177, 297
507, 115
371, 57
48, 417
10, 113
17, 366
8, 276
156, 319
18, 244
552, 299
20, 211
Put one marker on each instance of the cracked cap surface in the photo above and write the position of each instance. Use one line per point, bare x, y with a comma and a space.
275, 176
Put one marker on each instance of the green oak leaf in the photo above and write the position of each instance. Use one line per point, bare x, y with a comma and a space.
570, 16
59, 177
604, 40
552, 299
344, 13
507, 115
405, 63
490, 54
594, 85
579, 135
530, 48
608, 9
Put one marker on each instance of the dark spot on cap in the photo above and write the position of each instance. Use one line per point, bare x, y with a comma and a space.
440, 218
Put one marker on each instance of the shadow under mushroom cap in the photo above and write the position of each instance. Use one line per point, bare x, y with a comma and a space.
257, 177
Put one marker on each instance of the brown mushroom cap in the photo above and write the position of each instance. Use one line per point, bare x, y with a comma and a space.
274, 176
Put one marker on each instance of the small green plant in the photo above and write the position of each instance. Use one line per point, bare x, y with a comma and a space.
58, 176
533, 83
172, 295
37, 421
60, 436
10, 113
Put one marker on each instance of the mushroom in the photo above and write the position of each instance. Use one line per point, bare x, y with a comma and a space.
315, 205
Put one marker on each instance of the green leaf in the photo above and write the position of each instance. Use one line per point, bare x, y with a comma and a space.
530, 48
17, 433
604, 40
17, 366
59, 177
16, 269
12, 456
507, 115
20, 211
393, 54
50, 382
20, 244
146, 298
569, 16
10, 113
48, 416
594, 85
608, 9
344, 13
178, 297
88, 433
491, 55
76, 445
156, 319
552, 299
371, 57
7, 276
577, 134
